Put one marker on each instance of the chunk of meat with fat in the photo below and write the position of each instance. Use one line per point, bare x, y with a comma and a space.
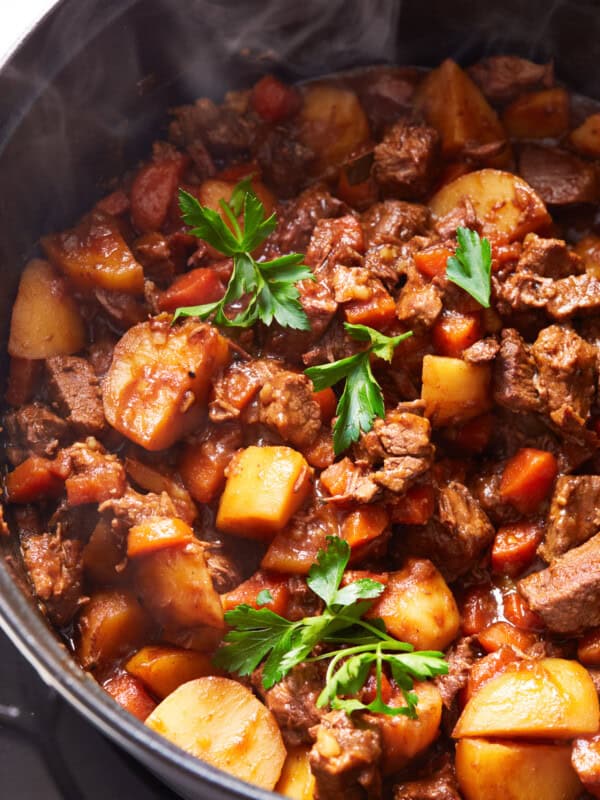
344, 758
298, 217
438, 785
482, 351
514, 374
286, 404
74, 390
156, 388
33, 430
55, 570
132, 507
574, 515
405, 159
460, 657
293, 701
576, 295
503, 78
549, 257
394, 221
221, 129
567, 593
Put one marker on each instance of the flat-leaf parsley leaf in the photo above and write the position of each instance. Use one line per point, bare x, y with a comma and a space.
471, 265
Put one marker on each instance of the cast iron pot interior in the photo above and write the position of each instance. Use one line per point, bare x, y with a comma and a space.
86, 93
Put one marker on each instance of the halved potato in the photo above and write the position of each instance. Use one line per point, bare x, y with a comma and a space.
45, 318
515, 771
506, 205
453, 390
553, 698
222, 722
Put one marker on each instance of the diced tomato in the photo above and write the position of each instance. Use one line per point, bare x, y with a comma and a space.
130, 694
479, 609
432, 261
273, 100
515, 546
327, 403
23, 375
194, 288
376, 312
454, 332
415, 507
503, 634
484, 669
157, 533
588, 650
35, 479
358, 195
517, 611
248, 592
474, 435
152, 192
528, 478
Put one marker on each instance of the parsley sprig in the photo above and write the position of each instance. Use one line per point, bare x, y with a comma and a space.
262, 636
362, 399
471, 265
270, 286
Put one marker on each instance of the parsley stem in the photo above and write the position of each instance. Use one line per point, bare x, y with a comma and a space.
231, 217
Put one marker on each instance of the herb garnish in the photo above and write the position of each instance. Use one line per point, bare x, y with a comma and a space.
270, 285
362, 399
471, 265
261, 635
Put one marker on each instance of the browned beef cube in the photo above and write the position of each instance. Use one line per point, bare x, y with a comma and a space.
55, 569
440, 785
503, 78
574, 514
514, 373
567, 593
549, 257
405, 160
574, 296
75, 391
394, 221
33, 430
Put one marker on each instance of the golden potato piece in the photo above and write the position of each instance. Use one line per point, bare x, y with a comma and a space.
548, 699
515, 771
537, 115
588, 248
95, 255
586, 138
45, 319
585, 758
453, 390
297, 781
163, 669
333, 124
265, 487
222, 722
507, 206
418, 607
175, 584
156, 388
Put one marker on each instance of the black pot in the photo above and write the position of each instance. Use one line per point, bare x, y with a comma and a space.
84, 95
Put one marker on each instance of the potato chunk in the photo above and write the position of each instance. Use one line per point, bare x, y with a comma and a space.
45, 319
333, 124
537, 115
455, 106
110, 624
515, 771
163, 669
418, 607
507, 206
453, 390
586, 138
585, 758
265, 487
158, 381
95, 255
549, 699
176, 586
297, 781
222, 722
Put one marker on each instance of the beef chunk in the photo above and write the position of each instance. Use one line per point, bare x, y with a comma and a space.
284, 161
293, 701
574, 514
441, 785
456, 536
574, 296
514, 374
394, 221
559, 177
344, 759
132, 507
405, 160
522, 290
419, 302
482, 352
222, 129
460, 658
548, 257
503, 78
286, 405
385, 93
566, 381
75, 391
298, 217
400, 446
33, 430
332, 346
567, 593
55, 569
462, 216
